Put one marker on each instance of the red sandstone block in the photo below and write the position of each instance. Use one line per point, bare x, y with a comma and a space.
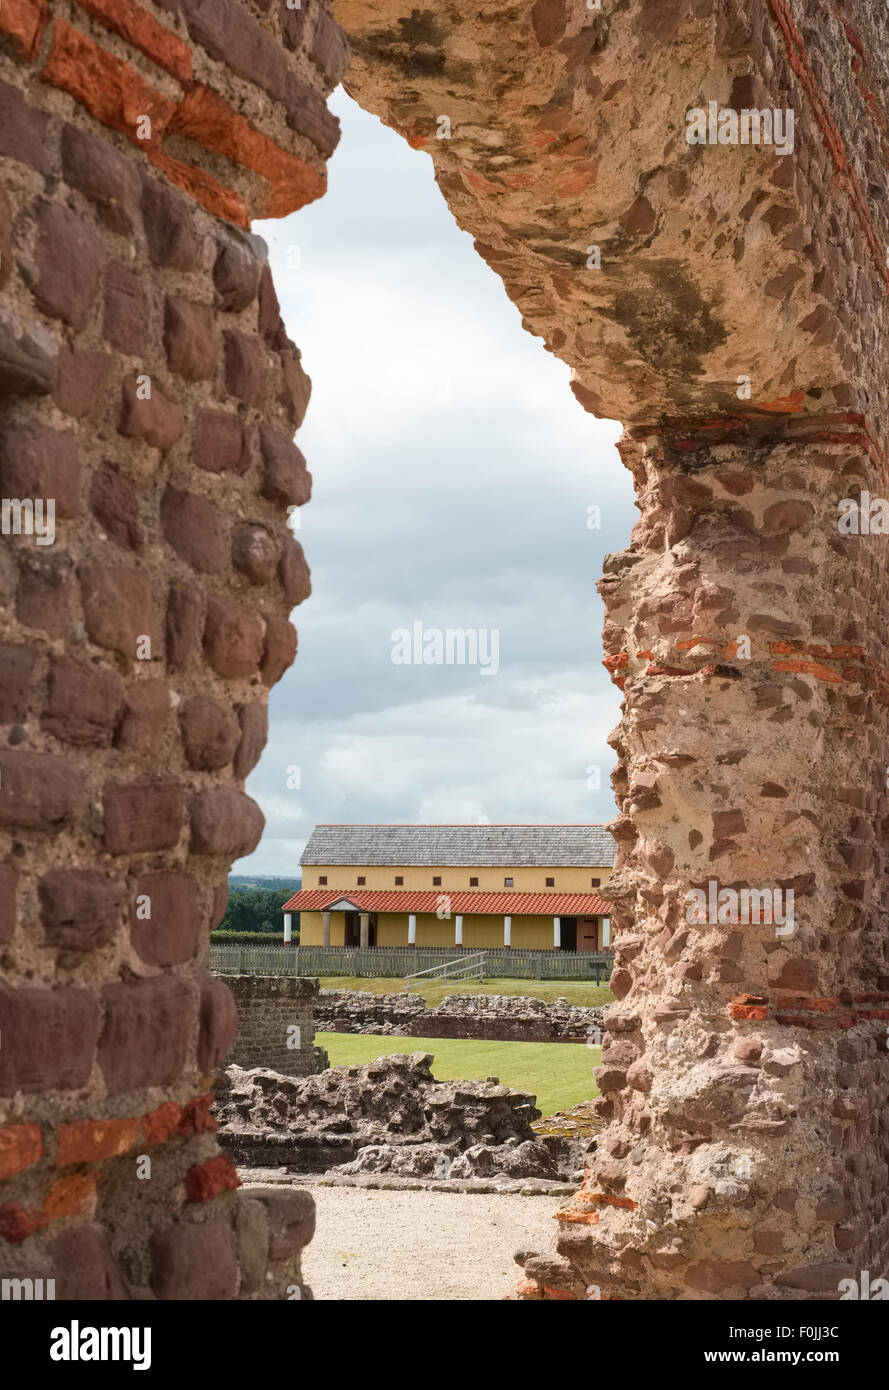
143, 816
72, 1196
233, 37
85, 1141
206, 1180
205, 117
20, 1146
279, 650
39, 791
159, 1124
119, 609
139, 28
147, 1033
194, 1261
218, 1023
110, 89
9, 878
48, 1039
225, 821
170, 935
16, 1224
24, 21
85, 1268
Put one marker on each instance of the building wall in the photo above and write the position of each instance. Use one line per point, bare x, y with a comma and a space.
528, 933
275, 1023
525, 880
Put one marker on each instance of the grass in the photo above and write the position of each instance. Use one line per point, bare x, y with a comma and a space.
582, 992
559, 1074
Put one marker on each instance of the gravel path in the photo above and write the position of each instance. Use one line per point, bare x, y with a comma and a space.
422, 1245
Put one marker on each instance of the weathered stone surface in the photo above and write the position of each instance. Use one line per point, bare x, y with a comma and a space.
105, 177
210, 732
69, 261
143, 816
225, 821
80, 908
194, 1261
191, 524
49, 1039
146, 1032
502, 1017
220, 444
84, 1266
84, 704
389, 1116
165, 918
114, 503
285, 476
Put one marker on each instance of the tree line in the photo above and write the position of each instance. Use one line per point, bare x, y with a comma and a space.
256, 910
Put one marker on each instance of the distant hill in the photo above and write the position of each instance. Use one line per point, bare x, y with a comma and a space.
293, 882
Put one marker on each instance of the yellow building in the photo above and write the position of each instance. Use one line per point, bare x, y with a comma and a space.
529, 887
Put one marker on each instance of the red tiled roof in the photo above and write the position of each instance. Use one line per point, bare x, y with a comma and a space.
408, 900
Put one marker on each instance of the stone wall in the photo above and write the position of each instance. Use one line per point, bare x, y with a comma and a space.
149, 389
502, 1018
275, 1024
728, 303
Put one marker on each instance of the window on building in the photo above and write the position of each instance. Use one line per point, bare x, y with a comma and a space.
399, 880
507, 883
436, 882
473, 883
550, 883
322, 879
595, 882
361, 879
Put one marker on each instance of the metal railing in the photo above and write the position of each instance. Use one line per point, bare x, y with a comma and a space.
463, 968
502, 962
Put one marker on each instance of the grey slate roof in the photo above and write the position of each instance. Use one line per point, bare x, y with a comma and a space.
456, 846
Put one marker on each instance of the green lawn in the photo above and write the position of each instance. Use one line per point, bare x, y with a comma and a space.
583, 992
559, 1074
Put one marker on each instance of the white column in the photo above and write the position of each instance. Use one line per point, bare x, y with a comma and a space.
288, 927
557, 933
507, 931
412, 930
606, 931
458, 929
364, 925
325, 929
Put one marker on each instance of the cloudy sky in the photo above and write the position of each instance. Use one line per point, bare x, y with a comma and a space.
453, 472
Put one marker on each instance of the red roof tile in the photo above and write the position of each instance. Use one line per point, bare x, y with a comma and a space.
408, 900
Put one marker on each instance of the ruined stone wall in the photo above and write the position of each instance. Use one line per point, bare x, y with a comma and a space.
147, 388
501, 1018
728, 304
275, 1024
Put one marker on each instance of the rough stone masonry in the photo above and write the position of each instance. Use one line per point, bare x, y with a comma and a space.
727, 303
150, 390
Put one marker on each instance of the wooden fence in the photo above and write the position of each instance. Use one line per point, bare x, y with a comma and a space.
400, 961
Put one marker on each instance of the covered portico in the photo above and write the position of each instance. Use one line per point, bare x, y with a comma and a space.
464, 920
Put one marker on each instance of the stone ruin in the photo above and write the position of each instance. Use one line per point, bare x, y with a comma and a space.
501, 1017
391, 1117
727, 303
